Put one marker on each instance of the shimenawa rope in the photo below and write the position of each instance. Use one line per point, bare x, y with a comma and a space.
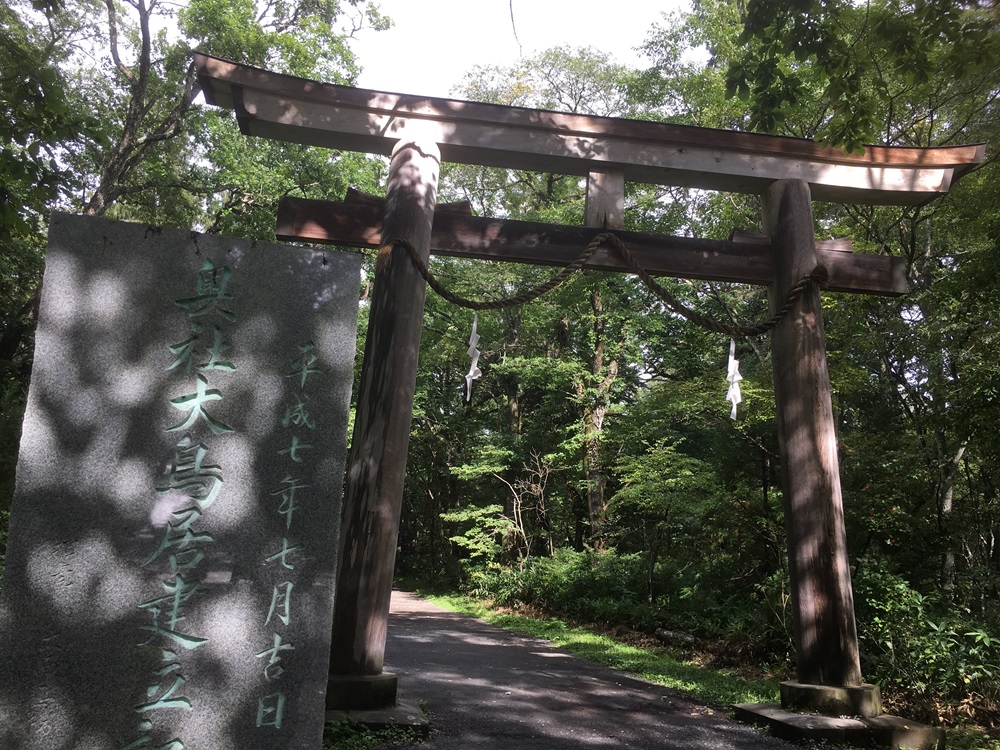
817, 276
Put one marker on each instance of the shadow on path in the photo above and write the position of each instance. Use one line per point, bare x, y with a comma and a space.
486, 688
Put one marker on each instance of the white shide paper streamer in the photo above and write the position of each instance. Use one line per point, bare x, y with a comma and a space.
734, 378
474, 371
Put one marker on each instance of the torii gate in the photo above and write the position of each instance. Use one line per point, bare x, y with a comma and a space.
788, 173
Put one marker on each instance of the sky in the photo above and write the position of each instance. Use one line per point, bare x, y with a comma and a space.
455, 35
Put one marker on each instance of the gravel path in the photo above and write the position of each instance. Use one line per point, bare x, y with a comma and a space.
486, 688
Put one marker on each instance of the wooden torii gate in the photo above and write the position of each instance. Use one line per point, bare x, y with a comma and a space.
788, 173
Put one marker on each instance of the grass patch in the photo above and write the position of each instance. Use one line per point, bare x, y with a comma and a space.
970, 739
349, 735
713, 686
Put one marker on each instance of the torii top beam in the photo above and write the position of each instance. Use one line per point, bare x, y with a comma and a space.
342, 117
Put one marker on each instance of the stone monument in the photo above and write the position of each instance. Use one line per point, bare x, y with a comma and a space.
169, 576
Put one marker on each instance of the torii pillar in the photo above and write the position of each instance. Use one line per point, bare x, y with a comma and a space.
376, 466
828, 668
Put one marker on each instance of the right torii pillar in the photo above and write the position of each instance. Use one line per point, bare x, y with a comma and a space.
826, 643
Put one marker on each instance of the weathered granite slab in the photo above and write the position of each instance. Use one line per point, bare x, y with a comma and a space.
859, 731
170, 569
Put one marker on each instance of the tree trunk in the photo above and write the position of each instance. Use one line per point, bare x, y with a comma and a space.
595, 409
949, 475
140, 132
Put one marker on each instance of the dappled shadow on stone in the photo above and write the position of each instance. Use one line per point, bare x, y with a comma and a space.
141, 561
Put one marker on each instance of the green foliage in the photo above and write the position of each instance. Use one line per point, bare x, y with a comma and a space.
965, 738
35, 116
678, 87
661, 482
483, 528
500, 584
12, 402
914, 645
586, 81
349, 735
611, 589
854, 59
605, 588
303, 39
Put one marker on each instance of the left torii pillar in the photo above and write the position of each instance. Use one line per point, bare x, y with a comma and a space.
377, 462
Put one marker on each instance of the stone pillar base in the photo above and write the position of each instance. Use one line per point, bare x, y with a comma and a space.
827, 700
361, 692
879, 731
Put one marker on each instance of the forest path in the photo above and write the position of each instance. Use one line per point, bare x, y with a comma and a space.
486, 688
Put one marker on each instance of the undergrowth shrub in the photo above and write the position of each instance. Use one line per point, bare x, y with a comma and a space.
610, 588
924, 655
595, 587
498, 583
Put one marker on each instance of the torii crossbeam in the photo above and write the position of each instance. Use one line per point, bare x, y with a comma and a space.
744, 258
420, 131
320, 114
